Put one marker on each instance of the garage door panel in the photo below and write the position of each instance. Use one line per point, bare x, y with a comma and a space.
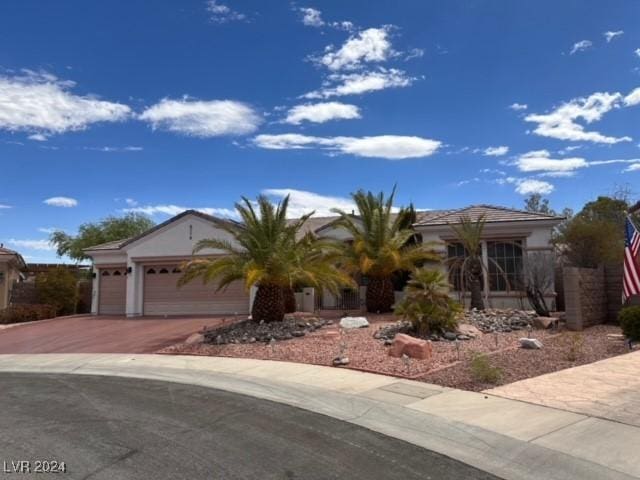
162, 296
112, 291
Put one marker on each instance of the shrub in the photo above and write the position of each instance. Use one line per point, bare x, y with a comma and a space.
629, 318
574, 342
426, 303
58, 287
482, 370
26, 313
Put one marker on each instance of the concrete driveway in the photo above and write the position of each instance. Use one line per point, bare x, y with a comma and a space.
608, 389
101, 334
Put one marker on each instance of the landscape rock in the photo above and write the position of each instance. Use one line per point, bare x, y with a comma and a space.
354, 322
410, 346
544, 322
531, 343
340, 361
499, 320
194, 339
451, 336
468, 330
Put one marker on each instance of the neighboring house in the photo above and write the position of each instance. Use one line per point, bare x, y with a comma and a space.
11, 266
138, 276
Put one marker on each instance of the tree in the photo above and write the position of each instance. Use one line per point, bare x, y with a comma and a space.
266, 251
94, 233
470, 266
58, 288
536, 204
382, 244
596, 234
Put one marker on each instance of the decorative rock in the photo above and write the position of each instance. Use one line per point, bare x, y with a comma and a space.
388, 341
354, 322
340, 361
194, 338
451, 336
544, 322
531, 343
469, 330
410, 346
298, 333
463, 337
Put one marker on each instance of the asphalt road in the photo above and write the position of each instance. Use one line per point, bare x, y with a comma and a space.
119, 428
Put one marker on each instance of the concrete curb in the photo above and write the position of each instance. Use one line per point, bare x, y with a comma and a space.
508, 438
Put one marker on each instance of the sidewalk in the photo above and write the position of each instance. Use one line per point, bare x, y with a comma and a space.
508, 438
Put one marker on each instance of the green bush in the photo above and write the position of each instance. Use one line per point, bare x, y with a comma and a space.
426, 303
629, 318
26, 313
58, 287
482, 370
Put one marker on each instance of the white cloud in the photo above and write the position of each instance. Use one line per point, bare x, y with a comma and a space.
33, 244
496, 151
370, 45
414, 53
560, 123
338, 85
172, 210
4, 206
580, 46
322, 112
634, 167
302, 202
311, 17
637, 52
541, 160
38, 137
220, 13
633, 98
199, 118
128, 148
42, 104
64, 202
528, 186
611, 35
518, 106
391, 147
131, 202
48, 230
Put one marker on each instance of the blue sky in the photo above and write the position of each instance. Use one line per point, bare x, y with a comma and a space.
107, 107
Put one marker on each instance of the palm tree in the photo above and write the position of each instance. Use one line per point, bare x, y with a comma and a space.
383, 243
265, 251
469, 266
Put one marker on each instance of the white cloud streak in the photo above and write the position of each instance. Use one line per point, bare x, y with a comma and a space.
64, 202
172, 210
338, 85
199, 118
390, 147
220, 13
302, 202
367, 46
40, 103
495, 151
518, 106
311, 17
581, 46
611, 35
529, 185
43, 245
322, 112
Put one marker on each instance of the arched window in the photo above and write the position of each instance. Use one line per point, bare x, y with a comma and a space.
105, 273
117, 273
151, 271
163, 270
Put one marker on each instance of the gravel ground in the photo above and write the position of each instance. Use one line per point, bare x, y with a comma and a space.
518, 364
448, 366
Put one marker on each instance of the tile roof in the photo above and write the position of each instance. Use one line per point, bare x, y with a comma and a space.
492, 214
12, 253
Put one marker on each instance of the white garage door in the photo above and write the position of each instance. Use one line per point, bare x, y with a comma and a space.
163, 297
112, 291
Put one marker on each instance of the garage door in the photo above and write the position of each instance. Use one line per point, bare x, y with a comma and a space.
113, 291
163, 297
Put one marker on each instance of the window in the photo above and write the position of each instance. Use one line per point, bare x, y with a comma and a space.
505, 265
151, 271
163, 270
117, 273
455, 250
105, 273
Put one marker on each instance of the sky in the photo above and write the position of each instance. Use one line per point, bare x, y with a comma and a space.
156, 107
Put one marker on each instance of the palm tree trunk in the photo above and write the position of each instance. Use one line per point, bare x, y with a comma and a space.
289, 300
476, 292
268, 305
380, 297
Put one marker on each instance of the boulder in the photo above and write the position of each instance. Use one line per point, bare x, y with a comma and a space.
531, 343
411, 347
451, 336
340, 361
354, 322
544, 322
469, 330
194, 338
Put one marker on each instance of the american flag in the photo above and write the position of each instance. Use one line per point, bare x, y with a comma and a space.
631, 282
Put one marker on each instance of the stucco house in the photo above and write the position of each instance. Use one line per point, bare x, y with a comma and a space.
11, 267
138, 276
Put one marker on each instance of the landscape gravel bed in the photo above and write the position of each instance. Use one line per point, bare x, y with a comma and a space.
517, 364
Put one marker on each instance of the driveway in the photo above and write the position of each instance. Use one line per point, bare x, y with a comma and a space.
101, 334
113, 428
607, 389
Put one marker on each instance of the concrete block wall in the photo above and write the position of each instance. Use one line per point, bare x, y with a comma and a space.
585, 297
